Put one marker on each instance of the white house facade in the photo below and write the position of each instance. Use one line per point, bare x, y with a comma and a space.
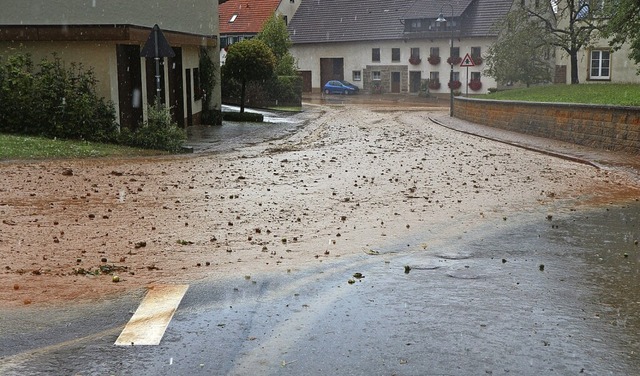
396, 46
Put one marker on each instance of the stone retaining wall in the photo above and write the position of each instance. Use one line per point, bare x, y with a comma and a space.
614, 128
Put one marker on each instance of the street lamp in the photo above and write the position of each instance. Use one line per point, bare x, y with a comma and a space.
442, 19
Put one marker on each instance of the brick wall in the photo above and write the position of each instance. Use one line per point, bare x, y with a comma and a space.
606, 127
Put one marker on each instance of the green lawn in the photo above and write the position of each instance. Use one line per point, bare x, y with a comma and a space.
610, 94
24, 147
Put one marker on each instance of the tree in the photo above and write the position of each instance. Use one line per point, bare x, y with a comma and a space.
521, 53
275, 34
249, 60
623, 26
570, 25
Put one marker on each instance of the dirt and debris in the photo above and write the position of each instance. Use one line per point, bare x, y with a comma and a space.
352, 179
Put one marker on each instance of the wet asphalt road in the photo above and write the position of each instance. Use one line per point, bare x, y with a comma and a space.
523, 296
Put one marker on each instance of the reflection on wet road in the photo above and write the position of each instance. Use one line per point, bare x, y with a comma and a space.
554, 296
234, 135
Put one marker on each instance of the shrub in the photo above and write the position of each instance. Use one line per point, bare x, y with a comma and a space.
158, 132
243, 116
53, 101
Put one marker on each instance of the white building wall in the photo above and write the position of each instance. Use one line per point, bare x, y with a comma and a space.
623, 69
357, 56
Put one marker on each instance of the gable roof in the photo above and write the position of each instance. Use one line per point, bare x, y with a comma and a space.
347, 20
250, 15
319, 21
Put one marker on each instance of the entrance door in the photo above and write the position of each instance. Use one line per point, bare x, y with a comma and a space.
414, 81
331, 69
395, 82
189, 98
175, 87
129, 85
306, 81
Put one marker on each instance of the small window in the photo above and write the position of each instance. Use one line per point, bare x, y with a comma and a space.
415, 53
375, 75
434, 51
600, 65
455, 52
434, 76
395, 54
356, 75
475, 76
456, 76
375, 55
285, 19
233, 18
292, 1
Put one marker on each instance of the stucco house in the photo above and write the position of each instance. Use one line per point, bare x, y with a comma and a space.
392, 46
244, 19
107, 36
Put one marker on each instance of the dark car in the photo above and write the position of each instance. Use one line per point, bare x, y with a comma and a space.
339, 87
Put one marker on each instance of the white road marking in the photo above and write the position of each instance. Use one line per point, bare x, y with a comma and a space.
149, 322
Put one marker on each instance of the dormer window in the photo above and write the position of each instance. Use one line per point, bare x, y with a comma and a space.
233, 18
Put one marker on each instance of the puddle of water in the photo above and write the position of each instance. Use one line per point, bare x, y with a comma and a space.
233, 135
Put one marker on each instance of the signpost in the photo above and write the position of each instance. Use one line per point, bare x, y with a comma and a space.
467, 62
157, 47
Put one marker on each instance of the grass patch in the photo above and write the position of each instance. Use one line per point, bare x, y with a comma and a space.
605, 94
26, 147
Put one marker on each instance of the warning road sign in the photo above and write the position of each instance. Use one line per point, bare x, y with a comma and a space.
467, 61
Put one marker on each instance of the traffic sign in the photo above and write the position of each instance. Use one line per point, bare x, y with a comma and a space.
467, 61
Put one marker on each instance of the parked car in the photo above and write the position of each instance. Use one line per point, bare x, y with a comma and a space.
340, 87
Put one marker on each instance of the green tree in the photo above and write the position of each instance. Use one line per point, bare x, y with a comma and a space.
521, 53
623, 26
275, 34
249, 60
571, 25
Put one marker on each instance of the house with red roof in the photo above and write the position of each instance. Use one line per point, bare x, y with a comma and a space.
244, 19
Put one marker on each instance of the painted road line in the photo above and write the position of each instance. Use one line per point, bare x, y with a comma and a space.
149, 322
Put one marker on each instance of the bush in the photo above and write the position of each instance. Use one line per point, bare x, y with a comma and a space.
53, 101
243, 116
158, 132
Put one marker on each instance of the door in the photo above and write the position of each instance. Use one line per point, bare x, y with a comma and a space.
189, 99
306, 81
331, 69
414, 81
176, 97
129, 85
395, 82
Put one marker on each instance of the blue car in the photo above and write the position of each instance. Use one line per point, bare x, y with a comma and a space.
339, 87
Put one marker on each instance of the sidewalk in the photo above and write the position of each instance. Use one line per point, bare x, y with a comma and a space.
601, 159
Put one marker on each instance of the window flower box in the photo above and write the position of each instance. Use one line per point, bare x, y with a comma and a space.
455, 85
477, 60
434, 85
454, 60
475, 85
415, 60
434, 60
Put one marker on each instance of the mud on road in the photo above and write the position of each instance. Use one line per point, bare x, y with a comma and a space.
350, 181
